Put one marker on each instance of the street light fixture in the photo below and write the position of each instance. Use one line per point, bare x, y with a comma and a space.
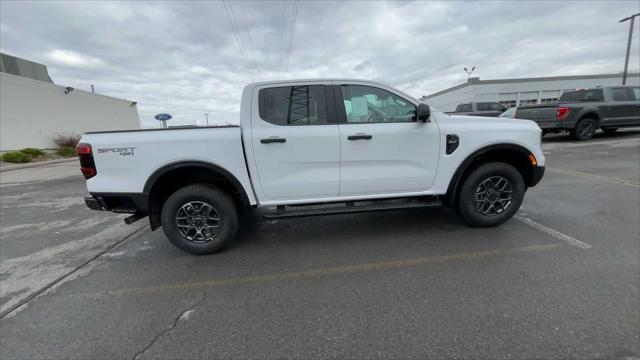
469, 72
626, 59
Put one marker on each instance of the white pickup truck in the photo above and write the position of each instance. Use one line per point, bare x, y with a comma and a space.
312, 147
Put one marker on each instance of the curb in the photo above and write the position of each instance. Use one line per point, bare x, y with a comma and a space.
35, 164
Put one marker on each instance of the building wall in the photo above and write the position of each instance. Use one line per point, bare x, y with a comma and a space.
517, 93
33, 112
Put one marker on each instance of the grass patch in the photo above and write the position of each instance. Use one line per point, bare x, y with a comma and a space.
66, 151
16, 157
32, 151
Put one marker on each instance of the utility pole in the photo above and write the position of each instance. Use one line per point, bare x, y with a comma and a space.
206, 115
626, 59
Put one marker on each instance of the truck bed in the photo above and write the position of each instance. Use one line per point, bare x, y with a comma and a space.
126, 160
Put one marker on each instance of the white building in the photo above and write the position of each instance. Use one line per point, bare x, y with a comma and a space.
33, 110
513, 92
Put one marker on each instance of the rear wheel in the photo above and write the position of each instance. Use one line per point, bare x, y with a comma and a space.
584, 130
491, 194
609, 131
199, 219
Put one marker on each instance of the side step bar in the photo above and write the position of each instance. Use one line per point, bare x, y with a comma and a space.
350, 207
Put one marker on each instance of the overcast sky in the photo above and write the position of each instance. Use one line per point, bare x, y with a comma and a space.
184, 58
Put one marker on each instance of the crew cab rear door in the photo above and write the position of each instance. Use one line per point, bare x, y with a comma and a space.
295, 143
384, 150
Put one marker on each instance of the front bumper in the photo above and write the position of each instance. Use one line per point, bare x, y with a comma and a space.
536, 175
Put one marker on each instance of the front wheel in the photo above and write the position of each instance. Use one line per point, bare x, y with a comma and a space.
199, 219
584, 130
491, 194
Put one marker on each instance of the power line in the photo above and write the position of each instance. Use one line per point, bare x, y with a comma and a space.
292, 32
284, 8
246, 23
236, 35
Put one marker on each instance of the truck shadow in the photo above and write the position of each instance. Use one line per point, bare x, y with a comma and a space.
338, 228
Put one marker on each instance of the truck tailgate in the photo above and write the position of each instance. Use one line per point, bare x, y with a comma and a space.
540, 112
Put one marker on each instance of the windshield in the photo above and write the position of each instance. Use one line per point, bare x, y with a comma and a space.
582, 95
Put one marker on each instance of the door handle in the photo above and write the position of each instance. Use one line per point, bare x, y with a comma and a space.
360, 137
273, 140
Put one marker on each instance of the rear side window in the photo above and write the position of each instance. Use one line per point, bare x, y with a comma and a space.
294, 105
582, 95
620, 94
636, 92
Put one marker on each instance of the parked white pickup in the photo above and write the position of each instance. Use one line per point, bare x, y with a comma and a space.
358, 145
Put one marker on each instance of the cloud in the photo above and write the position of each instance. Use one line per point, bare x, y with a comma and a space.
184, 58
73, 59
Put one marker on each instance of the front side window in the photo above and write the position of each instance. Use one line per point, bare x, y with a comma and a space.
497, 107
636, 92
294, 105
620, 94
484, 106
369, 104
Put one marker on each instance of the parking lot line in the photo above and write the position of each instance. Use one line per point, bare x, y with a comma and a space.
385, 265
555, 233
595, 177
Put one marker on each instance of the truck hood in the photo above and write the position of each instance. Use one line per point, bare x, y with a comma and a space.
488, 121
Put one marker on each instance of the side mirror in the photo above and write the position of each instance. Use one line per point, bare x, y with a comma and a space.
423, 113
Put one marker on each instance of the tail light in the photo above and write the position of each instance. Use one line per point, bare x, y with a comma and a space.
562, 112
87, 165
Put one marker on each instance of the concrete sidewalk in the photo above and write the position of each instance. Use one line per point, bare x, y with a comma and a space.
41, 172
10, 167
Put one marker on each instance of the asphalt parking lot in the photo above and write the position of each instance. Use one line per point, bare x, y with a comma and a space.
561, 280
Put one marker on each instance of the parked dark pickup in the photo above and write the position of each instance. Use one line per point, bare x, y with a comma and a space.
582, 112
492, 109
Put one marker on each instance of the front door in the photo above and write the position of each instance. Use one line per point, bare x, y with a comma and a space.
296, 144
384, 150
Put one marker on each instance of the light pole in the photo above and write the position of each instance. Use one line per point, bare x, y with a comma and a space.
206, 115
626, 59
469, 72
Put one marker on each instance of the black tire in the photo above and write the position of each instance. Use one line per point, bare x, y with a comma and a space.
585, 128
472, 211
609, 131
184, 216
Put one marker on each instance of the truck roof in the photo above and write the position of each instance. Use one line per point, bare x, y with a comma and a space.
347, 80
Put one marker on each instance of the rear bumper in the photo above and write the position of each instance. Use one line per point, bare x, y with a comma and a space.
536, 176
127, 203
93, 204
555, 125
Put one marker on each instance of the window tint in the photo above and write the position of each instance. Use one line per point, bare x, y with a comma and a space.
483, 106
582, 95
466, 108
294, 105
636, 92
620, 94
369, 104
497, 107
